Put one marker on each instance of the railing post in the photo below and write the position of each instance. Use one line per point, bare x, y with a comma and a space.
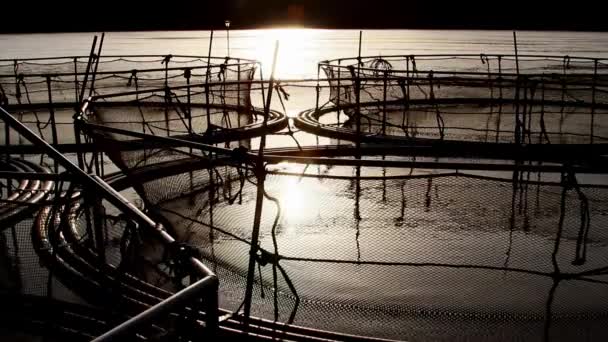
384, 102
211, 308
593, 87
53, 124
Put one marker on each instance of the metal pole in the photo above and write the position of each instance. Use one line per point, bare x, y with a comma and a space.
227, 23
53, 124
95, 182
259, 167
165, 307
516, 54
207, 82
96, 65
86, 75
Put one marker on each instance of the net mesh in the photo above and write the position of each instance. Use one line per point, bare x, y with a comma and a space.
484, 98
420, 254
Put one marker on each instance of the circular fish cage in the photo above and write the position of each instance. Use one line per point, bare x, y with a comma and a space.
211, 113
24, 80
43, 92
497, 99
384, 245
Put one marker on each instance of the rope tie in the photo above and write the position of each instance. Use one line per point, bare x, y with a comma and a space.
566, 63
187, 73
166, 59
132, 78
20, 81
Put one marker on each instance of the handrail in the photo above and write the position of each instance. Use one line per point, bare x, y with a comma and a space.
471, 55
209, 281
163, 308
116, 72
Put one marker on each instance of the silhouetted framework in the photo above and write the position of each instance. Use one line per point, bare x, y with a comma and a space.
456, 199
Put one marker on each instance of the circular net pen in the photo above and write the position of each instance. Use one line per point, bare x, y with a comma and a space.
471, 98
25, 80
391, 245
212, 113
42, 92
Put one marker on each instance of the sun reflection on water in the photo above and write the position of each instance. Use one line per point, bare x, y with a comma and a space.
295, 46
298, 196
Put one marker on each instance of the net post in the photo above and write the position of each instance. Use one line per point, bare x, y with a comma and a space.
94, 76
76, 98
500, 100
593, 89
384, 102
207, 82
53, 124
358, 100
260, 174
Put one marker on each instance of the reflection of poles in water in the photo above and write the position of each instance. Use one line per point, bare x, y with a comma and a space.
514, 191
428, 197
211, 202
383, 181
357, 213
556, 270
548, 309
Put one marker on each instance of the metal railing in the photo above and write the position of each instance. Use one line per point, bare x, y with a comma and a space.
206, 287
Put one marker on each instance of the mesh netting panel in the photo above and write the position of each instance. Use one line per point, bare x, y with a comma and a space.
407, 254
544, 92
25, 81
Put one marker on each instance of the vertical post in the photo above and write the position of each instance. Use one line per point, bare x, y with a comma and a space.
207, 82
358, 141
358, 100
86, 74
76, 98
516, 53
593, 86
384, 103
7, 142
227, 23
53, 123
260, 174
211, 309
500, 98
339, 88
94, 76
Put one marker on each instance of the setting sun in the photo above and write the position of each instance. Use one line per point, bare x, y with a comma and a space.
294, 51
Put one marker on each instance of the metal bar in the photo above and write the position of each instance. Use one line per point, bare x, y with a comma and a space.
593, 101
95, 182
44, 176
53, 124
159, 310
207, 82
97, 56
86, 75
259, 167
